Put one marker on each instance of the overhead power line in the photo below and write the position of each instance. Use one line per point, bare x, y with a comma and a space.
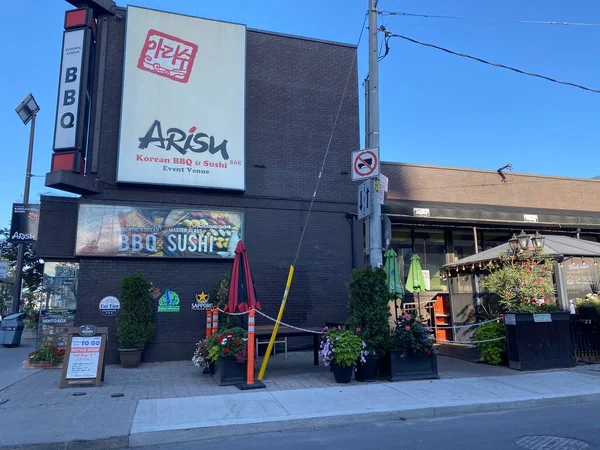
484, 19
502, 66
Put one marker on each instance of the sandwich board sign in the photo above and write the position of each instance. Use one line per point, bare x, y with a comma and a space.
84, 357
365, 164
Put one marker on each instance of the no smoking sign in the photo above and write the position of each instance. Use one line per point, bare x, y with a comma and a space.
365, 164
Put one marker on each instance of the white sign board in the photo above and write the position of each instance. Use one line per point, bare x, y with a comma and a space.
426, 279
69, 90
3, 270
109, 306
365, 164
183, 106
84, 357
364, 200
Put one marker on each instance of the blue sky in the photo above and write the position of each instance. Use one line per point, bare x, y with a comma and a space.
435, 108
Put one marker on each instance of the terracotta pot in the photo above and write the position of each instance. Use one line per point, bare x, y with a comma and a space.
130, 357
40, 365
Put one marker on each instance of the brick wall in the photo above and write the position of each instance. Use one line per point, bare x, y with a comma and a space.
482, 187
294, 86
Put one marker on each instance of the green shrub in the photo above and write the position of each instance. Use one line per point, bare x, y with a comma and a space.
491, 352
219, 299
134, 325
368, 308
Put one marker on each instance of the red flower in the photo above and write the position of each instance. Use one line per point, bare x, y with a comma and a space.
429, 352
237, 342
226, 350
358, 330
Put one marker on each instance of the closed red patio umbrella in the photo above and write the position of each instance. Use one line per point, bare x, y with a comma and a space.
242, 293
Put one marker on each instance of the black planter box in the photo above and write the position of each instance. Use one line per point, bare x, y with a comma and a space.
394, 368
229, 372
539, 341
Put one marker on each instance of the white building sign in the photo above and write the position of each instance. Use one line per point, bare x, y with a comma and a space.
69, 90
183, 107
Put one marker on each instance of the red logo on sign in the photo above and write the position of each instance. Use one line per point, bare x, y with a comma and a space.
365, 163
168, 56
34, 215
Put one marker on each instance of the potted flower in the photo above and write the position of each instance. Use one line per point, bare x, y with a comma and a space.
200, 358
134, 325
412, 355
538, 335
368, 311
48, 356
342, 349
228, 351
589, 306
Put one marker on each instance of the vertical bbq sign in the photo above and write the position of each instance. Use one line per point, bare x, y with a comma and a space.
183, 106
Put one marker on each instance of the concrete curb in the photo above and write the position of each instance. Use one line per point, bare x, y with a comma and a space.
345, 418
298, 423
109, 443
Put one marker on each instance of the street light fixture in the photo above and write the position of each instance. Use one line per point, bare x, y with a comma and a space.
27, 111
538, 241
513, 243
523, 240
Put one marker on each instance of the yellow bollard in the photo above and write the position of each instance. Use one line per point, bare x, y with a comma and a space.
263, 366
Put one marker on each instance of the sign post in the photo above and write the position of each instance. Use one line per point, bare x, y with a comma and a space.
84, 357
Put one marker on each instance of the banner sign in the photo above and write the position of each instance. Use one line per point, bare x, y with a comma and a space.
70, 115
24, 223
169, 302
183, 106
109, 230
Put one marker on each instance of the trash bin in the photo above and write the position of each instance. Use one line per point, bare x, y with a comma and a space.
11, 330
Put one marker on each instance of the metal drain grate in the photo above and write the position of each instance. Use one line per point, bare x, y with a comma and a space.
551, 443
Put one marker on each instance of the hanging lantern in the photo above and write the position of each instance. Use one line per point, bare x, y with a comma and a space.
513, 243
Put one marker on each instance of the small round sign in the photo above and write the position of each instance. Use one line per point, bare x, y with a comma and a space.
109, 306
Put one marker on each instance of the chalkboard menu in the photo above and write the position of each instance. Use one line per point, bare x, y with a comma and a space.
580, 276
84, 357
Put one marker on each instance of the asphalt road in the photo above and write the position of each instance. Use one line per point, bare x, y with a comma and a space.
571, 427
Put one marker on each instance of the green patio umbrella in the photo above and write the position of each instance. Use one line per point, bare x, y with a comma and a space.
393, 278
415, 282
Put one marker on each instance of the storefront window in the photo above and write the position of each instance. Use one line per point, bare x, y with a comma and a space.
430, 246
464, 242
402, 243
59, 301
493, 238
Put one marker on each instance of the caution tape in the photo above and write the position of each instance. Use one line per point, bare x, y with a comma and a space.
464, 326
233, 314
287, 324
469, 342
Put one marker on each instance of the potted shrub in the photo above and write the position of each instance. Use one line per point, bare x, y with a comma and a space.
200, 358
494, 350
342, 349
228, 351
412, 355
538, 335
219, 297
134, 325
368, 311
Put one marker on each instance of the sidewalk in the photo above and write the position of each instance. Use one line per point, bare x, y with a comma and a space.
171, 402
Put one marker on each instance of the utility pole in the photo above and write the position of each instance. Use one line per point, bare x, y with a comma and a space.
372, 130
21, 248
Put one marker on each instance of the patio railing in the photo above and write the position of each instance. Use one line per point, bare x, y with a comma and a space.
585, 332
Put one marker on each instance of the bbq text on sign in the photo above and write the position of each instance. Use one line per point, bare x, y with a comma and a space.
365, 164
184, 94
